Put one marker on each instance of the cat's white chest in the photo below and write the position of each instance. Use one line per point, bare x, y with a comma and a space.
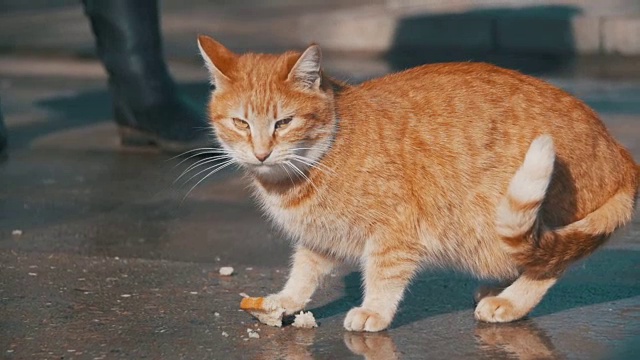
315, 226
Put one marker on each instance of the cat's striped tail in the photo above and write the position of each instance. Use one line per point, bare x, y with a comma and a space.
541, 252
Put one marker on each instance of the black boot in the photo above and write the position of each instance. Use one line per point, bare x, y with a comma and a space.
3, 136
148, 107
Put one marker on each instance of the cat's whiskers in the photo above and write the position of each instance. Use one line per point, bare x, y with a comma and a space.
227, 153
320, 150
205, 170
301, 173
195, 155
216, 168
288, 174
314, 164
208, 149
219, 156
310, 148
199, 163
202, 128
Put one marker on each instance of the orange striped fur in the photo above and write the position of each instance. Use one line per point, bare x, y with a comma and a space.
463, 165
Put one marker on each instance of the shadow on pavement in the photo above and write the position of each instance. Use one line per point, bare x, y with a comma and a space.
606, 276
537, 39
82, 109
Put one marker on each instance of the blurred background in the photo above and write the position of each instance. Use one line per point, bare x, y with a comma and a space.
537, 35
538, 28
581, 45
98, 243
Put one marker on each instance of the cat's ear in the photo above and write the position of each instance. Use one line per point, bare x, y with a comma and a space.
218, 59
306, 71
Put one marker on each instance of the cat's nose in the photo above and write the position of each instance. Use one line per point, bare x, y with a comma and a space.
262, 156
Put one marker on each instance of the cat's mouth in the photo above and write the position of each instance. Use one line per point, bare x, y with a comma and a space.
264, 167
275, 171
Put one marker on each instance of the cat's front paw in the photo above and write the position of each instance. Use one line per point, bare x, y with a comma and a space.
290, 304
362, 319
497, 309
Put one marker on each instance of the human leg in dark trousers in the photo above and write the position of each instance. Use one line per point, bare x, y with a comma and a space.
3, 136
148, 107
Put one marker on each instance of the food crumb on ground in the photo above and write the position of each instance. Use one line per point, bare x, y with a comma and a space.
224, 333
305, 320
16, 232
226, 271
253, 334
216, 314
244, 295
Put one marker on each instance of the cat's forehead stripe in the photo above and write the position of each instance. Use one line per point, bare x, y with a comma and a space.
263, 102
264, 109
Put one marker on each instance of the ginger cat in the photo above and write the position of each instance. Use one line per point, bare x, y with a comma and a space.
464, 165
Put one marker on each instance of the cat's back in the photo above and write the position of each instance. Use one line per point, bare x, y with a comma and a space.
468, 80
452, 97
474, 105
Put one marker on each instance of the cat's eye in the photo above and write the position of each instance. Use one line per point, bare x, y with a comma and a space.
281, 124
240, 124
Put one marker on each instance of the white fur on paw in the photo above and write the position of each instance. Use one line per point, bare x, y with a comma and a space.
495, 309
289, 304
361, 319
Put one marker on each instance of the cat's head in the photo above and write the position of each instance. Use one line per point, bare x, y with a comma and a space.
271, 113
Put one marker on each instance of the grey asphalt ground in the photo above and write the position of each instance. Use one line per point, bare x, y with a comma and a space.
104, 256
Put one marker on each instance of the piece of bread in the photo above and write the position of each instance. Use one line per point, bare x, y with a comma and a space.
305, 320
265, 310
252, 303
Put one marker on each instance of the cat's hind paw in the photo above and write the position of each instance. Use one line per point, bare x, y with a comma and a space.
495, 309
362, 319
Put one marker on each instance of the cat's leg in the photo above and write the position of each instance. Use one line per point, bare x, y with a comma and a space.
514, 302
484, 290
387, 272
307, 270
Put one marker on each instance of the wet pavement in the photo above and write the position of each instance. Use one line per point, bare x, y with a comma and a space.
103, 254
